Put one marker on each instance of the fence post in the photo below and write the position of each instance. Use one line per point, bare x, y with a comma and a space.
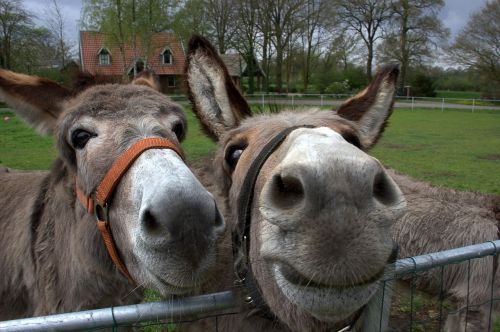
442, 105
321, 100
378, 309
263, 101
473, 105
412, 102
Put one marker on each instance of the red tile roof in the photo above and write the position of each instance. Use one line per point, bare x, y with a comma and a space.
91, 43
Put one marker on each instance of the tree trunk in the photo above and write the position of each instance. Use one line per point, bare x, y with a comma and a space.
279, 68
265, 63
369, 60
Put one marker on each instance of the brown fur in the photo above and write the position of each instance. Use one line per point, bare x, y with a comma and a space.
52, 256
149, 79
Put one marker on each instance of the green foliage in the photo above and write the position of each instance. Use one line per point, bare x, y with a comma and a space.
338, 88
56, 75
189, 19
423, 86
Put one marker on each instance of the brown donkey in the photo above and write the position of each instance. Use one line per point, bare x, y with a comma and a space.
309, 209
118, 149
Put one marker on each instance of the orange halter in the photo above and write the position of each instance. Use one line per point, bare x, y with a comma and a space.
97, 202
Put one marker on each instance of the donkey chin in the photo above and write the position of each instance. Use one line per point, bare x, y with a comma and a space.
172, 275
325, 302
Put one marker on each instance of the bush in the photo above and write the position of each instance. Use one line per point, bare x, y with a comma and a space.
423, 86
338, 87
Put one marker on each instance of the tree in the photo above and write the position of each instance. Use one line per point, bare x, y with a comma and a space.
366, 18
13, 19
221, 19
313, 35
284, 20
477, 46
245, 38
190, 19
56, 24
417, 31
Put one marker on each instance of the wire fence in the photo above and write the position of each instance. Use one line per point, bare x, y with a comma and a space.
399, 305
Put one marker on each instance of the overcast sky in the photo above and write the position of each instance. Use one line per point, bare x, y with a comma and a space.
454, 15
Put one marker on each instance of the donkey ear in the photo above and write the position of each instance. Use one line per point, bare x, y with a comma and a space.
372, 107
147, 78
36, 100
216, 101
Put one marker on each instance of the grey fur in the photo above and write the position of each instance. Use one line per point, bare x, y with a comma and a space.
52, 257
439, 219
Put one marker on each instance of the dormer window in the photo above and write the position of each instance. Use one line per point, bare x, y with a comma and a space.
104, 57
166, 56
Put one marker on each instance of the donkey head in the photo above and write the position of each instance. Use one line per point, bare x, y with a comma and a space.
321, 206
164, 223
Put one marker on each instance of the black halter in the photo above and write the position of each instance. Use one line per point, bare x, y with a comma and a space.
241, 235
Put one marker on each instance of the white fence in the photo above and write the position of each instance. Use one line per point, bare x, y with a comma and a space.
231, 302
334, 100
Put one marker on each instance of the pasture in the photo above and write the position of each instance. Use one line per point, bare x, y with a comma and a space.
460, 150
455, 149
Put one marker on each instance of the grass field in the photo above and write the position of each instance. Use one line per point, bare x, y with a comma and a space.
458, 94
455, 149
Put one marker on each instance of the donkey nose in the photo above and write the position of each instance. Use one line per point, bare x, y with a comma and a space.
300, 187
180, 222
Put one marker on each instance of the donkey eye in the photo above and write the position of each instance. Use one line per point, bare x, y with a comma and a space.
352, 139
178, 130
233, 154
80, 137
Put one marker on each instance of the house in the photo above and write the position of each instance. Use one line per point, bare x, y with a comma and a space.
237, 67
166, 57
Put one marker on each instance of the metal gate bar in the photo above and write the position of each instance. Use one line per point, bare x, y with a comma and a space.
174, 310
218, 303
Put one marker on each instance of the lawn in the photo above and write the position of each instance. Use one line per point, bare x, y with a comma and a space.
22, 148
458, 94
455, 149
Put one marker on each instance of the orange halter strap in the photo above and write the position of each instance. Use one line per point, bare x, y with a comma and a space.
97, 202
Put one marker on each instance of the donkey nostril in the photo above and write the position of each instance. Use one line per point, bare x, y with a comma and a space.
149, 222
287, 191
383, 189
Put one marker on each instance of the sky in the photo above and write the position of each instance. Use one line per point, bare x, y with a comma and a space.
454, 15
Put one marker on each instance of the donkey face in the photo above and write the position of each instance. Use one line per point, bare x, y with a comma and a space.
164, 223
322, 207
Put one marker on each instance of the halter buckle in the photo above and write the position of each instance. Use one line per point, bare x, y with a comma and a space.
101, 212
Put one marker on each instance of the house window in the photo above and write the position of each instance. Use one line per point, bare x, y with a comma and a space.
171, 81
104, 57
166, 56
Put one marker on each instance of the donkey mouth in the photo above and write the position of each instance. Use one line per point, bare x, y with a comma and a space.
324, 301
167, 288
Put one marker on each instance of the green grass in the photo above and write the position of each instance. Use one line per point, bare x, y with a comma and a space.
22, 148
455, 149
458, 94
